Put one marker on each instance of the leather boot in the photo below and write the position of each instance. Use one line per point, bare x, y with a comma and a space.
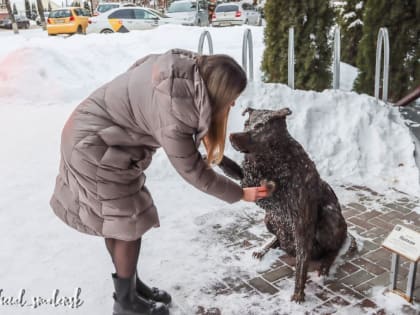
128, 302
153, 293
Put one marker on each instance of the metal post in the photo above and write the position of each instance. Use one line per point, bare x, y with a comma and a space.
394, 270
291, 59
382, 38
411, 280
203, 36
197, 14
247, 46
337, 57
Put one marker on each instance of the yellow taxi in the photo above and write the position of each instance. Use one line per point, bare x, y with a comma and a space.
67, 21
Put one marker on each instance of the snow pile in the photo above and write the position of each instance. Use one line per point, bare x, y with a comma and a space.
53, 70
351, 137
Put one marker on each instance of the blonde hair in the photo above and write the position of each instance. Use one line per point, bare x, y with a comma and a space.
225, 80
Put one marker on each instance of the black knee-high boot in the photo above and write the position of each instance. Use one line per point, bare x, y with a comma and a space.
153, 293
128, 302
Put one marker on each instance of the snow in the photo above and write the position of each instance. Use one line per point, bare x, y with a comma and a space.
355, 23
349, 15
359, 5
352, 138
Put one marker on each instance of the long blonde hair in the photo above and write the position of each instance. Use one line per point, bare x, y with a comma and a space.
225, 80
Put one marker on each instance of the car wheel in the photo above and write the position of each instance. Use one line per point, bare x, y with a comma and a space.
79, 30
27, 25
107, 31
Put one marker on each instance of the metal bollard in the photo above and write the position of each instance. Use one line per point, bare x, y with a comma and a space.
291, 59
205, 35
382, 38
337, 57
247, 46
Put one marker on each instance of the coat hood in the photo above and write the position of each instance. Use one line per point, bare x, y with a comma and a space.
181, 65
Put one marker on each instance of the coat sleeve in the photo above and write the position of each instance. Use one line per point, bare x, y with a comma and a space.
187, 160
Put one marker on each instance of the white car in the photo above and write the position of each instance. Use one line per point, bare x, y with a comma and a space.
235, 13
106, 6
187, 13
123, 20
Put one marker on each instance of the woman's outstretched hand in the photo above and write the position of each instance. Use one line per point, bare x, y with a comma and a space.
255, 193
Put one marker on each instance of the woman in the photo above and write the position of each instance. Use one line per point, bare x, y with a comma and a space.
173, 100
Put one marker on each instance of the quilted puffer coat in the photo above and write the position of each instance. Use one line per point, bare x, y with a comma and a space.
109, 139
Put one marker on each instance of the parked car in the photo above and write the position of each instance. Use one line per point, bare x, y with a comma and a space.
67, 21
106, 6
126, 19
21, 21
187, 13
38, 18
232, 13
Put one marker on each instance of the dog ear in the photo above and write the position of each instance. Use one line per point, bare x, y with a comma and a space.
247, 110
283, 112
280, 114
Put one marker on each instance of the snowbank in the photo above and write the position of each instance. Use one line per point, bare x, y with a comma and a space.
351, 137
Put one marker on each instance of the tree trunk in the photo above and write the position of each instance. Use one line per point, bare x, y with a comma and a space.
12, 17
41, 14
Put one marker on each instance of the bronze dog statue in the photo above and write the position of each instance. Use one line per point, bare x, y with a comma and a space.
303, 211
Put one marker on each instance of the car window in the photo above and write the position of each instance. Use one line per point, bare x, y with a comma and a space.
106, 7
246, 6
86, 12
60, 14
182, 7
159, 14
227, 8
122, 14
150, 16
78, 12
139, 14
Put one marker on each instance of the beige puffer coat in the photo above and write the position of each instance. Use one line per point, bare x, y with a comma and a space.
109, 139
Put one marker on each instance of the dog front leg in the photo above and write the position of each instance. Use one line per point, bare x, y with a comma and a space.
231, 168
303, 239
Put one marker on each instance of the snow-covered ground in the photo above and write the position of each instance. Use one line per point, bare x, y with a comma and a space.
352, 138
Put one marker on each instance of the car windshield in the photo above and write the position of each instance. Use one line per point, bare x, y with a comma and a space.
227, 8
106, 7
182, 7
60, 14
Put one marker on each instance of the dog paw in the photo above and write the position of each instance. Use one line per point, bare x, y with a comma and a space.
324, 270
258, 255
298, 297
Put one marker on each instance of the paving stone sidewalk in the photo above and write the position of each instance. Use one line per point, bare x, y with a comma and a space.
371, 217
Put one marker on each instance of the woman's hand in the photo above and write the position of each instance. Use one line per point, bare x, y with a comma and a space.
255, 193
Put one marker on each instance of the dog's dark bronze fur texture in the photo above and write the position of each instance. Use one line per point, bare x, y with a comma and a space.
303, 211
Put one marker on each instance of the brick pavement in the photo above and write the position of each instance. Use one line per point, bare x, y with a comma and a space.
370, 218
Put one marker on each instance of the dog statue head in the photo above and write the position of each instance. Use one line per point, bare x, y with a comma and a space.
262, 129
